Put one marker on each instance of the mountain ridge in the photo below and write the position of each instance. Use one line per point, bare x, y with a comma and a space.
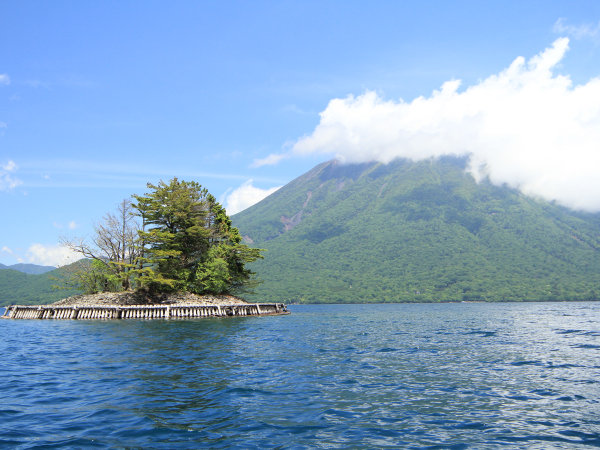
32, 269
417, 231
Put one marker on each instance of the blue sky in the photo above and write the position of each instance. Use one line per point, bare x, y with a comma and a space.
99, 98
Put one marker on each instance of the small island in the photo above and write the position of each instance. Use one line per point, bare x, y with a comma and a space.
172, 254
132, 305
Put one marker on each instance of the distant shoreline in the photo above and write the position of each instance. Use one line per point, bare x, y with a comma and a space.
443, 302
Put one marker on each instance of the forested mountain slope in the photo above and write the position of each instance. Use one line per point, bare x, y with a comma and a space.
19, 288
417, 231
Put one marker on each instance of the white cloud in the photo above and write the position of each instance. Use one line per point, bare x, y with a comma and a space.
270, 160
577, 31
72, 225
5, 249
7, 180
51, 255
4, 79
525, 126
245, 196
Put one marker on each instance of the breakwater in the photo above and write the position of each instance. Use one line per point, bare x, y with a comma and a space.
180, 311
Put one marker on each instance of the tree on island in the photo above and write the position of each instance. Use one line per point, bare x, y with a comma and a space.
179, 238
112, 255
189, 243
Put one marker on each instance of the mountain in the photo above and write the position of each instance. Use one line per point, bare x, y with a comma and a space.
28, 268
32, 289
417, 231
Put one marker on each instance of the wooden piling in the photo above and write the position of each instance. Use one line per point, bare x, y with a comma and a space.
144, 312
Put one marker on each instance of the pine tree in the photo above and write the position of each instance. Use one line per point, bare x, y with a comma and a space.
189, 242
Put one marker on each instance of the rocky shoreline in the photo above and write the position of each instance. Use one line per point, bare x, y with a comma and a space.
139, 298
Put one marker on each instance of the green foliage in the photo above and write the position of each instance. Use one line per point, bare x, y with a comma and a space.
189, 242
213, 277
416, 232
92, 276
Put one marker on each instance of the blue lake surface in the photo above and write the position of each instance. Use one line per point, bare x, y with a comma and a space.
466, 375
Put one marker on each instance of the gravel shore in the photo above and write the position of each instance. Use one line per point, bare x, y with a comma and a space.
137, 298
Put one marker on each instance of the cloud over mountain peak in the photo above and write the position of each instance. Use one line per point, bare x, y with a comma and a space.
526, 126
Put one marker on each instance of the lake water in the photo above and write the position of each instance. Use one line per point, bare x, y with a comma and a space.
466, 375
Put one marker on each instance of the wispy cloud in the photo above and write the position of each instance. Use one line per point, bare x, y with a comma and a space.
271, 160
10, 166
7, 179
69, 81
5, 249
295, 109
4, 79
524, 126
36, 84
51, 173
245, 196
583, 31
72, 225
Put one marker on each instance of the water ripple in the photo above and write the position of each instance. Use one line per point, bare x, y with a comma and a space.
335, 376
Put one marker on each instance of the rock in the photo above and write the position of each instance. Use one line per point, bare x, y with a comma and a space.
140, 298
